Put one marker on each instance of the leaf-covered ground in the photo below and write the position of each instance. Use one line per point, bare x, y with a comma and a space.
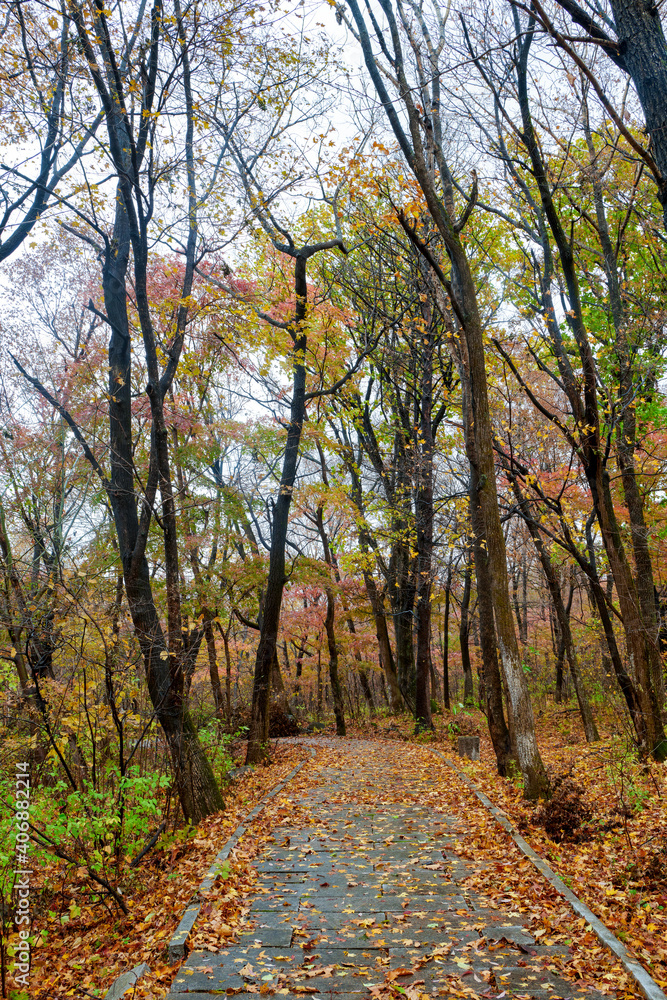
614, 860
84, 952
511, 891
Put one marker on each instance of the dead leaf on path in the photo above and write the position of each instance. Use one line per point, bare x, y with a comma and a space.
395, 973
441, 951
326, 971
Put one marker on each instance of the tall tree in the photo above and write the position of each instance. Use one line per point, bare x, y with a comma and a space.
587, 439
423, 148
132, 129
297, 328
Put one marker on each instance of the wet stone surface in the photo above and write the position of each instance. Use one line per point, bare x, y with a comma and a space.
367, 891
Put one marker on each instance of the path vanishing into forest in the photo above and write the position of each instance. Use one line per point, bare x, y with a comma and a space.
388, 878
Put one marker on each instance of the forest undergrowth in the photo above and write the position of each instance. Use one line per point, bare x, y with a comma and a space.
84, 948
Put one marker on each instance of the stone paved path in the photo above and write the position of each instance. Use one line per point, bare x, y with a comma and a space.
367, 889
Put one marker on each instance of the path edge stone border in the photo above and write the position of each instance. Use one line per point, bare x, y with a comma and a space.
176, 948
126, 981
646, 983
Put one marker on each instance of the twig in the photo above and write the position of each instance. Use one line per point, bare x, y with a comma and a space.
146, 849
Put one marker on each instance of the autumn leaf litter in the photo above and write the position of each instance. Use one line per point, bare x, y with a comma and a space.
615, 869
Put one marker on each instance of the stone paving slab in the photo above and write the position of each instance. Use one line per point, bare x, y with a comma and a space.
280, 937
428, 897
311, 920
364, 891
271, 918
339, 937
268, 905
281, 881
357, 903
345, 886
345, 882
321, 995
305, 866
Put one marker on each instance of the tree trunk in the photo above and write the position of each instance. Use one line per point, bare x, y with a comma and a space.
336, 691
197, 787
625, 681
12, 585
626, 430
435, 690
464, 637
268, 637
640, 50
298, 670
228, 675
278, 690
445, 639
332, 568
424, 450
402, 583
331, 561
423, 160
213, 667
319, 678
498, 730
402, 603
266, 650
389, 671
654, 740
390, 678
366, 688
166, 662
559, 651
522, 726
516, 576
524, 598
288, 669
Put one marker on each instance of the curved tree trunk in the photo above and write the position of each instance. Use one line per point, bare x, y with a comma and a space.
582, 396
165, 669
625, 681
258, 735
640, 50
